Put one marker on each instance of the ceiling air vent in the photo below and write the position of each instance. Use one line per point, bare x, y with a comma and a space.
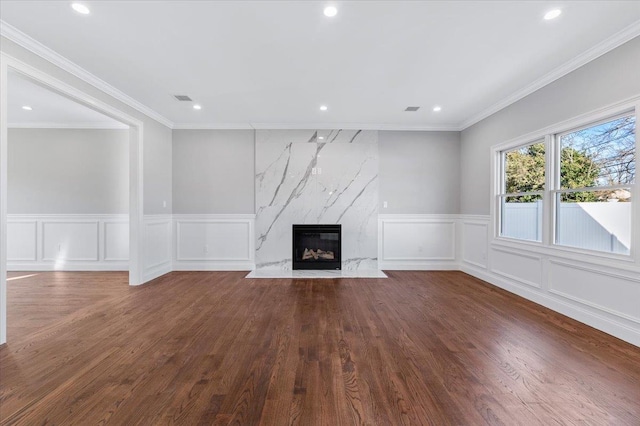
411, 109
183, 98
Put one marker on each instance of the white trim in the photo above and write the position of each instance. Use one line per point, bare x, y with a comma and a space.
90, 126
584, 58
420, 217
513, 277
605, 112
212, 126
213, 216
214, 266
95, 224
96, 262
209, 263
70, 216
72, 266
357, 126
605, 323
477, 221
35, 242
583, 301
418, 266
157, 271
4, 69
417, 261
599, 115
136, 161
34, 46
165, 265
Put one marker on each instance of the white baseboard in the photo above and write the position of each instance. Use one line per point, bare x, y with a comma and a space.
214, 266
72, 266
593, 319
603, 298
157, 271
418, 266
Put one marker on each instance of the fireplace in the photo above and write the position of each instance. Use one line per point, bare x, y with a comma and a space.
317, 246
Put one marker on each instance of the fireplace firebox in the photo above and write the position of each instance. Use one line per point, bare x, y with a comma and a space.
317, 246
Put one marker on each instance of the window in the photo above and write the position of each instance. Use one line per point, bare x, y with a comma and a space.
521, 198
572, 188
593, 200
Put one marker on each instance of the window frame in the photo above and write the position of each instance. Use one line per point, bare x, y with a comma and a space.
502, 193
552, 137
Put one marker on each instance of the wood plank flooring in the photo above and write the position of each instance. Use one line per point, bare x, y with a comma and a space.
190, 348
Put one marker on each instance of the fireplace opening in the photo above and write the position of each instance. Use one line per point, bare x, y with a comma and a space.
317, 246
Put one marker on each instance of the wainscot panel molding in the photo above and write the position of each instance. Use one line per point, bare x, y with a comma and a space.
417, 242
214, 242
520, 267
602, 293
68, 242
474, 237
158, 242
610, 292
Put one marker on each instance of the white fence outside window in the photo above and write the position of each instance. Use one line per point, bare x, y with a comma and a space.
597, 226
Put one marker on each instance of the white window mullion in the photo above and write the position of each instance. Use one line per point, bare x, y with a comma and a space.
551, 177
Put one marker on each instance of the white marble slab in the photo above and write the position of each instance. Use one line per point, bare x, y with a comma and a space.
303, 179
357, 273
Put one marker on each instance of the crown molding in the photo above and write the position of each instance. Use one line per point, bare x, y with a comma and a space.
316, 126
212, 126
20, 38
351, 126
605, 46
56, 125
34, 46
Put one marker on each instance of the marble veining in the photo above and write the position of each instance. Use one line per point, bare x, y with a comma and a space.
311, 177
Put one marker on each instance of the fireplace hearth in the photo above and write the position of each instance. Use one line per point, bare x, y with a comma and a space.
317, 246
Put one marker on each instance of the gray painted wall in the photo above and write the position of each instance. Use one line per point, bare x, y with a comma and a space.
157, 152
611, 78
213, 171
419, 172
64, 171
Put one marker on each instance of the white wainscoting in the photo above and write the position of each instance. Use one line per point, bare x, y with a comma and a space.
602, 293
419, 242
214, 242
474, 237
68, 242
158, 242
517, 266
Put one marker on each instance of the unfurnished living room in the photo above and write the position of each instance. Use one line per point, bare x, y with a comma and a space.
319, 212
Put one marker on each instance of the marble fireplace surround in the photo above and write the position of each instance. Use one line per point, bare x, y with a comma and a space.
316, 177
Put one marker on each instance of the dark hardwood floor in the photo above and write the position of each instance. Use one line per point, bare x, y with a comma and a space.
190, 348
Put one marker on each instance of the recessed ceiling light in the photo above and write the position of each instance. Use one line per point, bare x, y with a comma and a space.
437, 108
321, 138
552, 14
27, 108
196, 106
323, 108
80, 8
330, 11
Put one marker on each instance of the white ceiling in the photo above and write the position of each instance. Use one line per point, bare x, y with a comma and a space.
273, 63
49, 109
